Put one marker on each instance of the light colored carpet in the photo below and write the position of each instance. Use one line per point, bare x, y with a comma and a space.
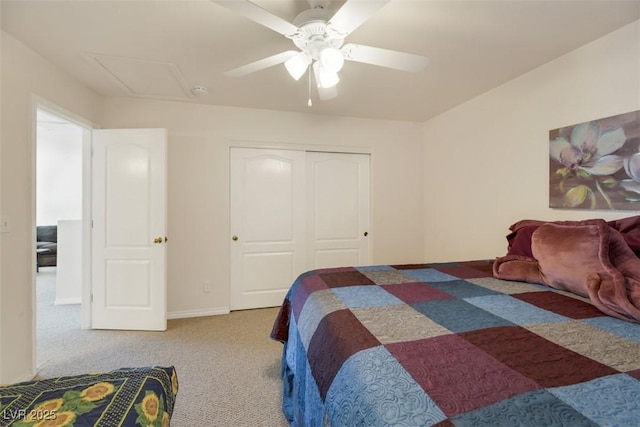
228, 368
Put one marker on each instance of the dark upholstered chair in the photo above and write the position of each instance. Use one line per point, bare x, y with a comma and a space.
47, 245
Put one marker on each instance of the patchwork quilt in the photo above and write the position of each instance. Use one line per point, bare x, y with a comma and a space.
448, 344
125, 397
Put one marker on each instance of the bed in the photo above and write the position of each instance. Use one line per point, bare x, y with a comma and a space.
124, 397
451, 344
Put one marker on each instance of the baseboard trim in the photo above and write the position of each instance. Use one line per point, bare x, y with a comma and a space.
20, 378
184, 314
66, 301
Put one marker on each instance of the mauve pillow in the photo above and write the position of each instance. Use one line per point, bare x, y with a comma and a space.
518, 268
519, 241
526, 223
630, 230
567, 254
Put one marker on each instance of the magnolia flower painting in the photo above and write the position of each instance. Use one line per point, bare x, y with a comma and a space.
596, 165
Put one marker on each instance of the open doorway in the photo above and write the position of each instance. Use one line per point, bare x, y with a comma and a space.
133, 161
59, 230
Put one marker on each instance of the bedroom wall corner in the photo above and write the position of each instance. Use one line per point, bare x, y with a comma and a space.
486, 161
23, 74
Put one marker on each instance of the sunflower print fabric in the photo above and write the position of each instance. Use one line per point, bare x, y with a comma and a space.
126, 397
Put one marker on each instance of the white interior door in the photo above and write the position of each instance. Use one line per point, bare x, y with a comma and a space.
337, 209
129, 229
267, 225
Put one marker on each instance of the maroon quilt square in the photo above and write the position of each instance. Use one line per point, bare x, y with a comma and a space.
411, 293
409, 266
309, 285
345, 278
541, 360
635, 374
560, 304
338, 336
465, 271
458, 376
280, 328
483, 265
335, 270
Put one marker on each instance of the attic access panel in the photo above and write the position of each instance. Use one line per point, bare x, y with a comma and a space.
143, 78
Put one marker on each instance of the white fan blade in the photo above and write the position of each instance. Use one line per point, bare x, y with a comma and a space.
353, 14
327, 93
261, 64
261, 16
384, 58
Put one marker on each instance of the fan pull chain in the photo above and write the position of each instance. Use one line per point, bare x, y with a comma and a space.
309, 103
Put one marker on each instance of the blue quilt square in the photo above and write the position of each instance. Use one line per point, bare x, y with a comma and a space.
365, 296
515, 310
463, 289
613, 400
467, 317
373, 388
531, 409
617, 327
428, 275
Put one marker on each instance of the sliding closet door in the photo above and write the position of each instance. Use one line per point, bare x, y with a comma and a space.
267, 225
337, 209
293, 211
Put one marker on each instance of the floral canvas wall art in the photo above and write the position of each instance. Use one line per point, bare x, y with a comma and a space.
596, 164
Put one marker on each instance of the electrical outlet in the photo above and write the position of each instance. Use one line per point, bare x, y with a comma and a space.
5, 224
206, 286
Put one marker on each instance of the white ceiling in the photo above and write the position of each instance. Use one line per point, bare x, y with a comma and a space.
162, 48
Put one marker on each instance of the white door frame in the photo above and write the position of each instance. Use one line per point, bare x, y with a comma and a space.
304, 147
38, 102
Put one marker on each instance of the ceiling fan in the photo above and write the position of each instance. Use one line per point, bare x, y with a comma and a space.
320, 36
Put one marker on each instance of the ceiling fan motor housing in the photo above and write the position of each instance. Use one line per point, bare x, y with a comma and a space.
313, 35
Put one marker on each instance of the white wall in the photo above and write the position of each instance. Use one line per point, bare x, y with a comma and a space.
24, 74
486, 161
199, 141
59, 173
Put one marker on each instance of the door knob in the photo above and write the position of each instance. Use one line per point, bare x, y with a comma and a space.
157, 240
366, 233
234, 238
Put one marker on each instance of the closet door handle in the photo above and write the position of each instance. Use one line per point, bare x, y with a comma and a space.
234, 238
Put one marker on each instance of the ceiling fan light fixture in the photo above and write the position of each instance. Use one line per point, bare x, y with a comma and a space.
319, 34
325, 78
331, 59
297, 65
